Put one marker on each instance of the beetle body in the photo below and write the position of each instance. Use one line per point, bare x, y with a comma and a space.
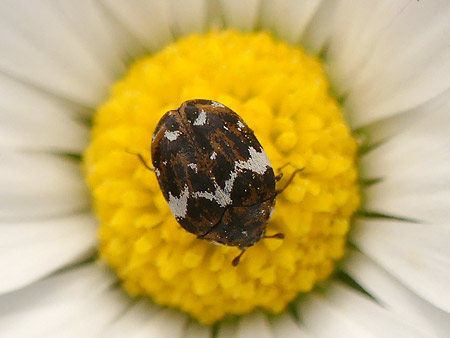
213, 173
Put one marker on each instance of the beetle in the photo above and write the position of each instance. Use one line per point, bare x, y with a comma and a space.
214, 174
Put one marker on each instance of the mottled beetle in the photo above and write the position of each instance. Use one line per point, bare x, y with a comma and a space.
214, 174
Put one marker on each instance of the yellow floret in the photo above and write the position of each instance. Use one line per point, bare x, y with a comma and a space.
282, 94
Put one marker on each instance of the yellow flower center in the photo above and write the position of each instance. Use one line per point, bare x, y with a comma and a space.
283, 95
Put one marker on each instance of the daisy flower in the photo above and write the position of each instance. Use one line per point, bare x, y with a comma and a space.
354, 93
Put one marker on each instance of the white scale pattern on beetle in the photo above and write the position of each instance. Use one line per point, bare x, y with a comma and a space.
193, 166
217, 104
221, 197
178, 205
240, 126
258, 163
201, 119
172, 135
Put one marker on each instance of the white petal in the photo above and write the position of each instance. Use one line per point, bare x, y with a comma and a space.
322, 320
419, 133
366, 312
357, 28
254, 325
343, 312
166, 323
321, 27
240, 14
38, 47
14, 94
83, 322
55, 302
408, 65
432, 115
132, 319
417, 254
39, 186
37, 123
146, 21
285, 326
288, 18
395, 296
413, 162
147, 320
103, 38
84, 281
32, 250
411, 196
195, 330
188, 16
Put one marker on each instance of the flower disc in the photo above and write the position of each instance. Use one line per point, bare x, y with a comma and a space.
283, 94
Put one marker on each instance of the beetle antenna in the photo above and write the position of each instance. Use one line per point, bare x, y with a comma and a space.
278, 235
290, 180
284, 166
141, 158
236, 259
280, 176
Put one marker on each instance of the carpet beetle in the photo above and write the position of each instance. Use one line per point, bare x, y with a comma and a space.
214, 174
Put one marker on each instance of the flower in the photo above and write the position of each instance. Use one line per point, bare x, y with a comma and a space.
389, 65
284, 96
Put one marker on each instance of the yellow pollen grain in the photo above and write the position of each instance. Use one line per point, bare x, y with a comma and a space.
283, 95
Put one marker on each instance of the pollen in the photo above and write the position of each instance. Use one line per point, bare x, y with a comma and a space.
284, 96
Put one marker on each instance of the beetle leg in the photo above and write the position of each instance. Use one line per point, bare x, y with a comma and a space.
141, 159
280, 175
236, 260
290, 180
278, 235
